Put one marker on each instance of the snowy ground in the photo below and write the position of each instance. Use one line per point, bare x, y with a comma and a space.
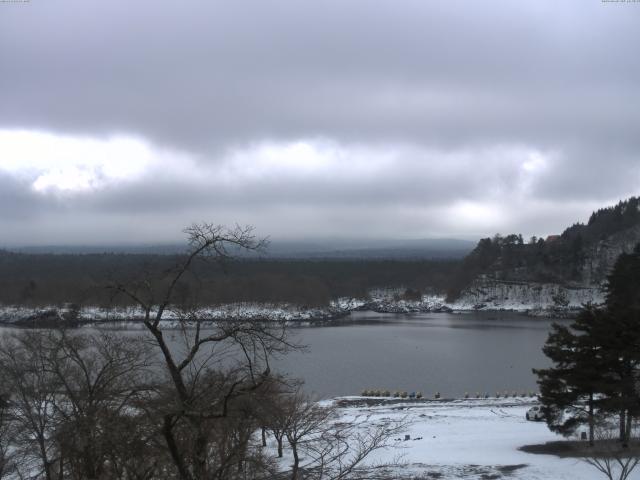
471, 439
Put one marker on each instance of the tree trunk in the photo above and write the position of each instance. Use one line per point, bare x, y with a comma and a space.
591, 420
175, 374
242, 453
264, 437
296, 461
89, 465
60, 466
623, 424
200, 448
279, 446
167, 432
43, 455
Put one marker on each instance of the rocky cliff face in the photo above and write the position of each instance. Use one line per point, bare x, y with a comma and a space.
601, 256
543, 298
487, 293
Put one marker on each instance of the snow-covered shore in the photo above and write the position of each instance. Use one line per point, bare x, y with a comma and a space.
338, 310
471, 439
384, 301
130, 316
380, 301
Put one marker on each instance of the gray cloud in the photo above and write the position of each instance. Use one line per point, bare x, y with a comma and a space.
16, 200
456, 92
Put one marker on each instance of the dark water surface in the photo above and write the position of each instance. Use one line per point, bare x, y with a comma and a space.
449, 353
432, 352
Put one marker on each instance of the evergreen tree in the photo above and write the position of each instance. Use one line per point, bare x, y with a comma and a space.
573, 383
620, 338
596, 361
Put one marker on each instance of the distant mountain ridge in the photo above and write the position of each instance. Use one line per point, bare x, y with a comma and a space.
429, 248
565, 270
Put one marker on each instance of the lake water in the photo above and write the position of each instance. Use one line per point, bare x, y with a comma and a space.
434, 352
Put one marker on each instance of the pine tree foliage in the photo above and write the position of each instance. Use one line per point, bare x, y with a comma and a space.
569, 390
596, 360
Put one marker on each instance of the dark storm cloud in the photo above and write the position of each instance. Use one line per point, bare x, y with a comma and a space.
214, 72
458, 94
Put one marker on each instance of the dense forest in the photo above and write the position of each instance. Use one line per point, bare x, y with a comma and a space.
47, 279
555, 259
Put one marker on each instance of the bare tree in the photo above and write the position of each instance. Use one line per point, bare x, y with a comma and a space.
343, 449
271, 411
614, 460
304, 422
219, 362
323, 445
8, 465
68, 395
31, 388
98, 377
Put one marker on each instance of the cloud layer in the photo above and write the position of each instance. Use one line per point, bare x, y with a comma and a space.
125, 121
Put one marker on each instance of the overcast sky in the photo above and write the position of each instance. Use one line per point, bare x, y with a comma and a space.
124, 121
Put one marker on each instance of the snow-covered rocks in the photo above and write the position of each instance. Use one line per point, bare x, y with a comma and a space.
539, 299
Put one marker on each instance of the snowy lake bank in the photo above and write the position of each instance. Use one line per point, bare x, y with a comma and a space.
469, 439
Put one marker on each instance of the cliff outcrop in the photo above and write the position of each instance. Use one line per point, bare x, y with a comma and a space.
557, 275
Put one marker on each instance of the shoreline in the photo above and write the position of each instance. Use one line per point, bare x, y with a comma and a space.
293, 316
